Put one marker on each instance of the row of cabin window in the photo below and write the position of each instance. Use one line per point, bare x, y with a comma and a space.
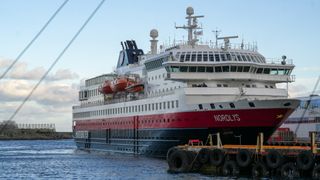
213, 106
155, 64
94, 81
159, 91
118, 122
157, 77
90, 93
217, 57
218, 69
130, 109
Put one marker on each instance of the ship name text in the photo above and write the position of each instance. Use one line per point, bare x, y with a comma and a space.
227, 117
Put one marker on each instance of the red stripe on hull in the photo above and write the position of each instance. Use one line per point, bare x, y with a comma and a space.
198, 119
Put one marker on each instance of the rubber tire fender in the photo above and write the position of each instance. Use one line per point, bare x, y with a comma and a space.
216, 157
244, 157
259, 170
288, 170
274, 159
194, 162
316, 172
171, 151
204, 155
230, 168
179, 161
305, 160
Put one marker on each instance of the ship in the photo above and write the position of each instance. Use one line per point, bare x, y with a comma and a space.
181, 91
305, 119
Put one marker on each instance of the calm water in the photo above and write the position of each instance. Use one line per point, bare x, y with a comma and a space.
60, 159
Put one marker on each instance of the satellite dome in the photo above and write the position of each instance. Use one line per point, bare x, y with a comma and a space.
154, 33
190, 11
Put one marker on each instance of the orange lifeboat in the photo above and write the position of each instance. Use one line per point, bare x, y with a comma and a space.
135, 88
106, 88
119, 84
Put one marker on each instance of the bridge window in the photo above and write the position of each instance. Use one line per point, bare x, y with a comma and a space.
211, 57
216, 56
183, 68
177, 55
209, 69
212, 106
205, 56
239, 69
225, 68
201, 69
239, 58
223, 57
244, 58
287, 71
192, 69
174, 69
266, 71
233, 68
281, 72
228, 57
200, 106
218, 69
259, 71
274, 71
187, 56
182, 57
246, 68
193, 56
199, 57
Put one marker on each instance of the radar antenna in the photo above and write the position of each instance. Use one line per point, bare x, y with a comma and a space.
192, 27
216, 32
226, 40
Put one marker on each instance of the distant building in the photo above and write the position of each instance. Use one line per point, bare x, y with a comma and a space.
51, 127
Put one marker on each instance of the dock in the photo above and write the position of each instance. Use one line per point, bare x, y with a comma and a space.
256, 161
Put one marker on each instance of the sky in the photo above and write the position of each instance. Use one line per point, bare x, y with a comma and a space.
280, 27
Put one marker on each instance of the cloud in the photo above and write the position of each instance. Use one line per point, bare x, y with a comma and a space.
21, 71
308, 69
47, 93
51, 102
63, 74
302, 87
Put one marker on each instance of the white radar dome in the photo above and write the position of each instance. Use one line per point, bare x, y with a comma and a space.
154, 33
190, 11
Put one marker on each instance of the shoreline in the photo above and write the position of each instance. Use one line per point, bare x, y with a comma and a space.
35, 135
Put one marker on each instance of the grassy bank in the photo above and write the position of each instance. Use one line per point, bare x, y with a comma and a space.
33, 134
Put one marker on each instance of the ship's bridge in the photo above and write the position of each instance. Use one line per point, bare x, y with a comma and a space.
204, 53
206, 63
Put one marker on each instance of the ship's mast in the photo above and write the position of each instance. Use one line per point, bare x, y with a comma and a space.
192, 26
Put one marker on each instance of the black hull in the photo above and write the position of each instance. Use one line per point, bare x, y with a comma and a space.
156, 142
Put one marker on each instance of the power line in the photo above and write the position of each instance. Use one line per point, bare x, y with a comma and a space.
33, 39
57, 59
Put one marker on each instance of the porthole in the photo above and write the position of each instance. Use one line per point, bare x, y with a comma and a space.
287, 104
251, 104
232, 105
